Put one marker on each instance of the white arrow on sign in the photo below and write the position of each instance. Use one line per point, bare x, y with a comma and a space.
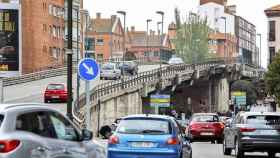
89, 69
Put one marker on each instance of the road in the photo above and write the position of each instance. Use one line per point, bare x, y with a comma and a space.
33, 91
208, 150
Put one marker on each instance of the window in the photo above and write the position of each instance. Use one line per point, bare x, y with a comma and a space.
100, 42
89, 44
99, 57
205, 118
271, 31
271, 54
1, 119
36, 123
44, 27
50, 9
64, 130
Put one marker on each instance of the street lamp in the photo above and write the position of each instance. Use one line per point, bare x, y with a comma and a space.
147, 38
123, 13
225, 44
260, 53
161, 37
158, 23
69, 58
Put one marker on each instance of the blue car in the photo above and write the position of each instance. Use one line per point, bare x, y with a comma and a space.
149, 136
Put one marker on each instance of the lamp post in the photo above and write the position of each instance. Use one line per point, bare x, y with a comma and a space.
147, 37
260, 53
123, 13
69, 58
225, 44
161, 38
158, 23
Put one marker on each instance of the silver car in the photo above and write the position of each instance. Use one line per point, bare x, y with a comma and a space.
110, 71
38, 131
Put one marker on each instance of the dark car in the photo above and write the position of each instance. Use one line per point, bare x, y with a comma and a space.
130, 67
149, 136
206, 127
253, 132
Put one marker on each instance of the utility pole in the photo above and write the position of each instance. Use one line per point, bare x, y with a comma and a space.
147, 37
161, 40
225, 44
124, 50
260, 53
69, 58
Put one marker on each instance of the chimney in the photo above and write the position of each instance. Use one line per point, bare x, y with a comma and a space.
98, 15
113, 18
132, 28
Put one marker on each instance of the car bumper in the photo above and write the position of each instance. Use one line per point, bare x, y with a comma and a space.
199, 136
262, 145
56, 97
126, 153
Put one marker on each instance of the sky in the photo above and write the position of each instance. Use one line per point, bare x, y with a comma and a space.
138, 11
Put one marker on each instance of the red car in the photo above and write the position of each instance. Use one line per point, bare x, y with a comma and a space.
55, 92
206, 127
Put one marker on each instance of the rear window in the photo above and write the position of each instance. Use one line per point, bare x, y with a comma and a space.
55, 87
205, 118
1, 119
264, 119
108, 67
144, 126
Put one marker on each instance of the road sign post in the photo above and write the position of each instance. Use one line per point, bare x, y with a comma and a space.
88, 71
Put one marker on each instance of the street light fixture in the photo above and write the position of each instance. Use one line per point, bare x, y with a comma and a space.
161, 37
158, 23
123, 13
147, 37
225, 44
260, 53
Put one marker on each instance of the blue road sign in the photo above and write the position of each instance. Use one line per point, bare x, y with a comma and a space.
88, 69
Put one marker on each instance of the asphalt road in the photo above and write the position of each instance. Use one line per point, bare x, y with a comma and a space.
208, 150
32, 92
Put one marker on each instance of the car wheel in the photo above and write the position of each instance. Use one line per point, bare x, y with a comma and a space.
212, 141
227, 151
220, 141
46, 101
238, 151
271, 154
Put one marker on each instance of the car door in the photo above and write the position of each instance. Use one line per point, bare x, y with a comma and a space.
67, 138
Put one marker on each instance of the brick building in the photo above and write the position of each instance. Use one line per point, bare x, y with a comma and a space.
149, 45
107, 35
273, 15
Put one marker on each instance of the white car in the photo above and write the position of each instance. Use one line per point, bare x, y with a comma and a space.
110, 71
175, 61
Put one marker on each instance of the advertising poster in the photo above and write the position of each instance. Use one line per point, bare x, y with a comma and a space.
9, 42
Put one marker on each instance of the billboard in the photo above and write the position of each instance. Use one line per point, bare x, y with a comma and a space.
9, 42
160, 100
239, 98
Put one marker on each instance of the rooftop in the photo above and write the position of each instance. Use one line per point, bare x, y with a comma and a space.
273, 11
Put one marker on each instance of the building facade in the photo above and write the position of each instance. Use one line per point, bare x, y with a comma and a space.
273, 15
106, 36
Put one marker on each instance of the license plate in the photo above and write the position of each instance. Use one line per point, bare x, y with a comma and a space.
142, 144
206, 134
55, 97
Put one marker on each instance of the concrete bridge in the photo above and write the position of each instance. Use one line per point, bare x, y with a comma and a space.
207, 82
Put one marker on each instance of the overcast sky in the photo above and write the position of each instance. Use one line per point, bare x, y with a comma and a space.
140, 10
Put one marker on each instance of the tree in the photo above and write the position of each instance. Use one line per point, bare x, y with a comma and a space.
191, 40
248, 87
272, 77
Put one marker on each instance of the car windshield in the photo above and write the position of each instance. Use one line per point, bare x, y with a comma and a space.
144, 126
55, 87
1, 119
205, 118
108, 67
264, 119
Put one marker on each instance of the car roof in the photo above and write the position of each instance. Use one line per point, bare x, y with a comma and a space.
148, 116
195, 114
23, 106
259, 113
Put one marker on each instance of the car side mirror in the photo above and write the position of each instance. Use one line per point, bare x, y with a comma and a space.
86, 135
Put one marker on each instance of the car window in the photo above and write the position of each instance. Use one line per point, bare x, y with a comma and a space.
205, 118
144, 126
263, 119
108, 67
1, 119
55, 87
36, 123
63, 128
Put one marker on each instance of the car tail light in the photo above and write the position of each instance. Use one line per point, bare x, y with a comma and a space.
219, 125
113, 140
172, 141
8, 145
246, 129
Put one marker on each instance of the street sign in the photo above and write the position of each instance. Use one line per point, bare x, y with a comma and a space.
88, 69
239, 98
160, 100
